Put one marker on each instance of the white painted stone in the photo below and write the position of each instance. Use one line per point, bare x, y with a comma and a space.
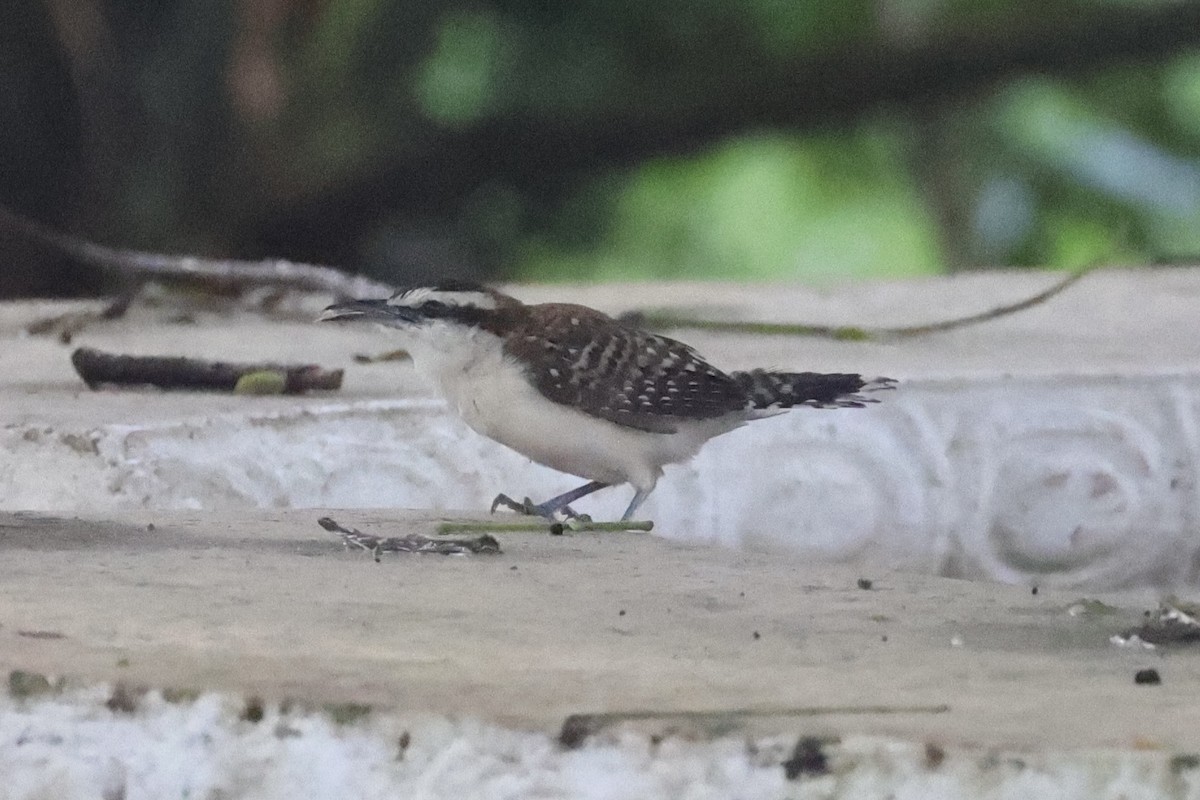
1059, 446
73, 748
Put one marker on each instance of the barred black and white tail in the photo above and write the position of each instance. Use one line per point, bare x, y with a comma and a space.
770, 390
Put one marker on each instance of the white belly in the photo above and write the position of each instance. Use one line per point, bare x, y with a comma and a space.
489, 390
497, 401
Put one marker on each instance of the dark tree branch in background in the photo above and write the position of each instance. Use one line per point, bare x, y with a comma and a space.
135, 266
111, 118
798, 94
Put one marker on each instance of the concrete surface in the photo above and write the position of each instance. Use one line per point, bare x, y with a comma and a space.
269, 604
169, 541
1056, 446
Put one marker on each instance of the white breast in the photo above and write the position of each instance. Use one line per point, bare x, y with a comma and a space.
491, 393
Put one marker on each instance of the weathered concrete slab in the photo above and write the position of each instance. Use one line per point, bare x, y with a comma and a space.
1058, 446
267, 603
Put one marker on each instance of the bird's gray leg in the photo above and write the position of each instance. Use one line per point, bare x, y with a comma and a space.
549, 508
638, 498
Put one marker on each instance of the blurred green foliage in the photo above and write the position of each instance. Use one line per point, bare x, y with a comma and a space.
610, 139
767, 206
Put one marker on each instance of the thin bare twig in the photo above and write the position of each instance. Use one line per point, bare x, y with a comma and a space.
412, 543
67, 325
993, 313
140, 266
577, 727
663, 320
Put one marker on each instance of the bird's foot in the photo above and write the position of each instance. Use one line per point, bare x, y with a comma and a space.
526, 507
532, 509
570, 514
503, 500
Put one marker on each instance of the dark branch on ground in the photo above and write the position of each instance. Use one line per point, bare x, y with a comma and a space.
98, 368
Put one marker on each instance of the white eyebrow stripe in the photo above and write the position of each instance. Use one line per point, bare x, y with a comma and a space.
414, 298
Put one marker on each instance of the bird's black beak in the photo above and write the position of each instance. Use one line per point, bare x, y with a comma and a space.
378, 311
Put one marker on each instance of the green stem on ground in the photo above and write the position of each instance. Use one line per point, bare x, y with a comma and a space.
543, 526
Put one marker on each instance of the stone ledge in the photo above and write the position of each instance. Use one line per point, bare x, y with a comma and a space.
268, 604
1058, 446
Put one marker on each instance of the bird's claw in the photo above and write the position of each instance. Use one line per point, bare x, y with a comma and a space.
532, 509
570, 514
527, 507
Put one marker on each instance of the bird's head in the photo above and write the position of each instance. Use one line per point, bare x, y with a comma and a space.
454, 303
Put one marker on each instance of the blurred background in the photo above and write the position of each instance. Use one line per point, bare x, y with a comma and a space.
814, 141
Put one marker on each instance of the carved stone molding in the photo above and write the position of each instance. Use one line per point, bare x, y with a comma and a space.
1085, 481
